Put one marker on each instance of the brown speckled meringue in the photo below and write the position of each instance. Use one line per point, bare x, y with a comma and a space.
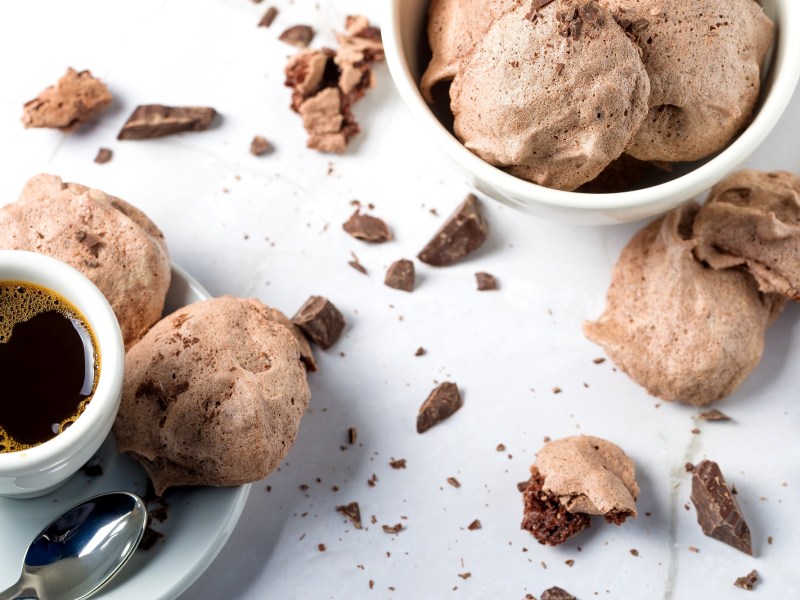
213, 395
683, 331
454, 26
111, 242
704, 59
556, 96
752, 219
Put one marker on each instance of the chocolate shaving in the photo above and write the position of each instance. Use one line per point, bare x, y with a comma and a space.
268, 17
352, 435
748, 582
400, 463
556, 593
442, 402
367, 228
546, 517
397, 528
476, 524
103, 156
454, 482
352, 512
156, 120
463, 232
260, 146
486, 282
357, 265
400, 276
718, 513
297, 35
713, 415
320, 320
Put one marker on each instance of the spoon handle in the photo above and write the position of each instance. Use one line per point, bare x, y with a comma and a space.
19, 591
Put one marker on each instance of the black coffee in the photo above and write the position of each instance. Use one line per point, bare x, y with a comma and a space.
49, 365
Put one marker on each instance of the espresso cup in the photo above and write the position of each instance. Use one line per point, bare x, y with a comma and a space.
37, 470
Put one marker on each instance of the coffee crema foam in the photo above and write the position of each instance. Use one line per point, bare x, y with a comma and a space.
19, 303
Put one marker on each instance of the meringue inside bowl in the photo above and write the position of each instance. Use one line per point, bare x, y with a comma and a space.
658, 190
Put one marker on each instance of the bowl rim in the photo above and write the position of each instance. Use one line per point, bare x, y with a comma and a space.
697, 181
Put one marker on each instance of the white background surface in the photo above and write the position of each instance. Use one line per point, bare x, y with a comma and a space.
271, 227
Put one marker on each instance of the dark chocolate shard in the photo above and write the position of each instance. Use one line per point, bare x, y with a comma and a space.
397, 528
367, 228
268, 17
713, 415
103, 156
486, 282
748, 582
546, 517
463, 232
320, 320
442, 402
400, 275
718, 513
356, 264
260, 146
156, 120
352, 512
298, 35
556, 593
476, 524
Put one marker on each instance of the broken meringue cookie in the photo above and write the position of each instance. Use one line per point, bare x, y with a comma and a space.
572, 479
752, 220
683, 331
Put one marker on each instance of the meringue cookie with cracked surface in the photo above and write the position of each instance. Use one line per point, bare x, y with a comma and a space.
704, 61
680, 329
554, 95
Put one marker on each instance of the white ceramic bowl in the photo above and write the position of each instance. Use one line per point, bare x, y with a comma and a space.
38, 470
404, 28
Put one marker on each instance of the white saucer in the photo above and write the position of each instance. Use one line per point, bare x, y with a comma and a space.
198, 524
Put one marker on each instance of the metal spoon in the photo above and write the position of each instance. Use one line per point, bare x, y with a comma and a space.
75, 555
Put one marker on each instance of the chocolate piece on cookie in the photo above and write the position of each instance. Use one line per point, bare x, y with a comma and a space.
105, 238
213, 395
75, 99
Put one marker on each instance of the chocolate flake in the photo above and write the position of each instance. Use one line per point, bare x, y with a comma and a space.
103, 156
442, 402
298, 35
352, 512
634, 552
569, 562
463, 232
454, 482
546, 517
320, 320
420, 351
156, 120
356, 264
465, 576
367, 228
486, 282
713, 415
718, 513
476, 524
400, 275
260, 146
598, 361
400, 463
748, 582
352, 435
268, 17
321, 547
556, 593
397, 528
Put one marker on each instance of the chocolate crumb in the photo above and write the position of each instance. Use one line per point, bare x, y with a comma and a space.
352, 435
523, 485
599, 361
400, 275
465, 576
463, 232
352, 512
400, 463
713, 415
92, 468
367, 228
476, 524
556, 593
372, 481
297, 35
769, 540
689, 467
397, 528
260, 146
695, 431
103, 156
694, 549
634, 552
569, 562
320, 320
420, 351
268, 17
501, 448
156, 120
718, 513
557, 390
321, 547
748, 582
486, 282
454, 482
356, 264
442, 402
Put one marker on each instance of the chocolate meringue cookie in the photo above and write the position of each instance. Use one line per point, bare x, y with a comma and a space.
752, 219
554, 94
454, 26
111, 242
704, 59
683, 331
213, 395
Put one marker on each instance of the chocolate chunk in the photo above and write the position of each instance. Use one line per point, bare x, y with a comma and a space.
268, 17
713, 415
297, 35
476, 524
556, 593
400, 275
400, 463
486, 282
260, 146
397, 528
463, 232
352, 512
320, 320
454, 482
367, 228
420, 351
156, 120
546, 517
718, 512
748, 582
75, 99
103, 156
442, 402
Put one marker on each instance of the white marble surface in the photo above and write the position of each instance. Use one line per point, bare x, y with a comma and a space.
270, 227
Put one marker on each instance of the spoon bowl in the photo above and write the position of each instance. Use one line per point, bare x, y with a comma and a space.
80, 551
